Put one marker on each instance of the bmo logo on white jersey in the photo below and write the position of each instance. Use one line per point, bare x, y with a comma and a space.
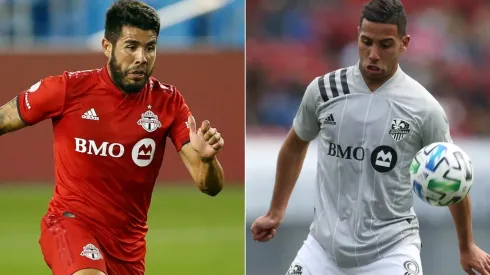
347, 152
90, 147
384, 158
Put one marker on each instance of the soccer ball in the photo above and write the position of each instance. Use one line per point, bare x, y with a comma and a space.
441, 174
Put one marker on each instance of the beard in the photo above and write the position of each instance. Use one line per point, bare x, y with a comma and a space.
119, 76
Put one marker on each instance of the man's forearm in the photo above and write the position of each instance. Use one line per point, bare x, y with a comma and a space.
289, 164
9, 117
461, 213
211, 176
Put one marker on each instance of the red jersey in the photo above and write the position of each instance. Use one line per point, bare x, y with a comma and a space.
108, 149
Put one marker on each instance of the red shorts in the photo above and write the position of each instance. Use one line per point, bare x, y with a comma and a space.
68, 245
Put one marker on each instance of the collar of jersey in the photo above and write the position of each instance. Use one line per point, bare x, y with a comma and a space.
359, 80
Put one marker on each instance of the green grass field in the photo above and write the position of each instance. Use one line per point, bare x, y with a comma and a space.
189, 232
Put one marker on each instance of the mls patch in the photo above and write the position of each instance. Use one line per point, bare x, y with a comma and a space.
399, 129
34, 87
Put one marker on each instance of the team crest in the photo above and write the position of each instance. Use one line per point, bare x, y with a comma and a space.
399, 129
92, 252
149, 121
295, 269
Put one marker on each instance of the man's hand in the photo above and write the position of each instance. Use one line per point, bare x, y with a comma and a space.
473, 258
264, 228
206, 141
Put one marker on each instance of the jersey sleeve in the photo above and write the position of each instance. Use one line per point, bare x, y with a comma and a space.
179, 133
436, 126
305, 123
43, 100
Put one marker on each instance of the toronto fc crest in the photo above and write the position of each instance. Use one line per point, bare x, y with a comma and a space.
92, 252
149, 121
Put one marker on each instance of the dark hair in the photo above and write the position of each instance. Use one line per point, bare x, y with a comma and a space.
130, 13
387, 12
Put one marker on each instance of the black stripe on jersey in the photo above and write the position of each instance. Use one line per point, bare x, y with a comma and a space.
333, 85
343, 80
321, 85
18, 110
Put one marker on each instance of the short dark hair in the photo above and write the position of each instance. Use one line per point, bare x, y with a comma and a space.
387, 12
130, 13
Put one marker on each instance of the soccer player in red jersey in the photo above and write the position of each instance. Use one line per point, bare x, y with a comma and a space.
110, 127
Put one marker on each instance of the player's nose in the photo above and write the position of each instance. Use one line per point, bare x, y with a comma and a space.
140, 57
374, 54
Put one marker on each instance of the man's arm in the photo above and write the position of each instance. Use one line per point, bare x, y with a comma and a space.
198, 148
461, 213
293, 150
41, 101
472, 258
207, 173
10, 119
289, 164
436, 129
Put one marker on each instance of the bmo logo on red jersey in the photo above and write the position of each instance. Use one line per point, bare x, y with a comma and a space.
142, 153
104, 149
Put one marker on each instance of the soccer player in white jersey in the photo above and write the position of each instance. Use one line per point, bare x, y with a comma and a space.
370, 120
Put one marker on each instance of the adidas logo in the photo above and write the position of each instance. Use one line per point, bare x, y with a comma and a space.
90, 115
329, 120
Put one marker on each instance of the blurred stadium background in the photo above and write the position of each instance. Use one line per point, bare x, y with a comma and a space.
289, 42
201, 52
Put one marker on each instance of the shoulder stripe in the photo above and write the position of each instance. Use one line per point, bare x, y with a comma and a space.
321, 85
333, 85
343, 80
331, 90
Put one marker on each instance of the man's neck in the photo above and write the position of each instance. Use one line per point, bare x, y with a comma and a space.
376, 84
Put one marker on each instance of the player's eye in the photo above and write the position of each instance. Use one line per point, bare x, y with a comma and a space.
131, 47
386, 45
367, 42
151, 48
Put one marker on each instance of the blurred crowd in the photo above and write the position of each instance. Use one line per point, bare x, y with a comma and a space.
62, 23
289, 42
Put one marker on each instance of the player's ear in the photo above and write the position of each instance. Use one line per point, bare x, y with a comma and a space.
405, 42
107, 47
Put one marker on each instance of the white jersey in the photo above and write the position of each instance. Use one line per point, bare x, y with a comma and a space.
366, 142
